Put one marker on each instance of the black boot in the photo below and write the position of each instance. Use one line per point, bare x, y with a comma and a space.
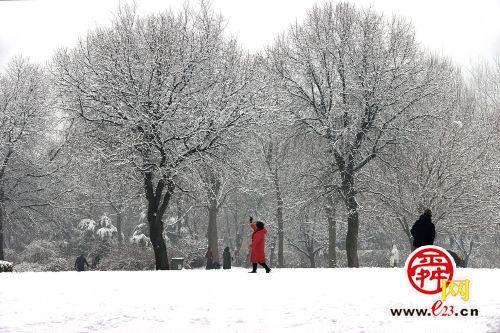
254, 268
263, 264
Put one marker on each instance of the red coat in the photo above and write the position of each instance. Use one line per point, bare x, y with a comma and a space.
258, 245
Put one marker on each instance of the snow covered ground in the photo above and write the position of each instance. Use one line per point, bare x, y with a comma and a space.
287, 300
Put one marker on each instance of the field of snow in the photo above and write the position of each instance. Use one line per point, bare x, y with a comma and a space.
287, 300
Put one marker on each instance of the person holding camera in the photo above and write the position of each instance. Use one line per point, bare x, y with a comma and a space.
258, 245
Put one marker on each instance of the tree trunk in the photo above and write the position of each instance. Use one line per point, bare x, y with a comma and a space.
155, 215
468, 253
1, 225
228, 231
213, 238
239, 243
406, 228
312, 261
119, 228
273, 255
279, 217
352, 233
179, 216
156, 236
332, 231
352, 215
238, 237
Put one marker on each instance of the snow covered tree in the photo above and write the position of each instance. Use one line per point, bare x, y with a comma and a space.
448, 165
310, 238
106, 231
318, 176
87, 225
140, 236
96, 237
217, 185
350, 76
274, 148
162, 91
24, 161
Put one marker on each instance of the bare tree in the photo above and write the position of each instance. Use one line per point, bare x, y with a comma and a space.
162, 91
309, 239
447, 165
217, 185
275, 151
24, 157
355, 79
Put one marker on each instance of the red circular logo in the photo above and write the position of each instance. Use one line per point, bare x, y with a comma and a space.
427, 267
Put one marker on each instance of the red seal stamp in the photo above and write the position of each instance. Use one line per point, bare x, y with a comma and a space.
427, 267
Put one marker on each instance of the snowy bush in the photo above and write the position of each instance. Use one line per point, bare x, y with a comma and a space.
96, 238
140, 237
140, 240
55, 265
128, 259
87, 225
374, 258
58, 265
106, 231
28, 267
39, 251
101, 248
192, 250
5, 266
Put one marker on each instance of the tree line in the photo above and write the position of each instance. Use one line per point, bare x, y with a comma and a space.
337, 137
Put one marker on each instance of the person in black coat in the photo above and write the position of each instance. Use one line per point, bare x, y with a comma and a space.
423, 231
80, 263
226, 258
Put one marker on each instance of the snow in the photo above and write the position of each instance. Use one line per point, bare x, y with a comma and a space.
106, 232
87, 224
140, 239
5, 265
287, 300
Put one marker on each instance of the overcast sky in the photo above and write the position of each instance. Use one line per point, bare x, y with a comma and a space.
464, 30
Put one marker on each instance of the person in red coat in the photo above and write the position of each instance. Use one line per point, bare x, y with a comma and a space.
257, 247
210, 258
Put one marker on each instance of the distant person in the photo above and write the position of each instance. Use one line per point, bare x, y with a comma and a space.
257, 247
394, 258
80, 263
423, 231
95, 261
210, 258
226, 258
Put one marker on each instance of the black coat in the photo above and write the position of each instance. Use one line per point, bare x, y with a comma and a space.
423, 231
80, 263
226, 260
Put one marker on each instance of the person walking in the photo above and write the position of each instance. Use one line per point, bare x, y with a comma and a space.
226, 258
80, 263
95, 261
394, 258
210, 258
258, 245
423, 231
